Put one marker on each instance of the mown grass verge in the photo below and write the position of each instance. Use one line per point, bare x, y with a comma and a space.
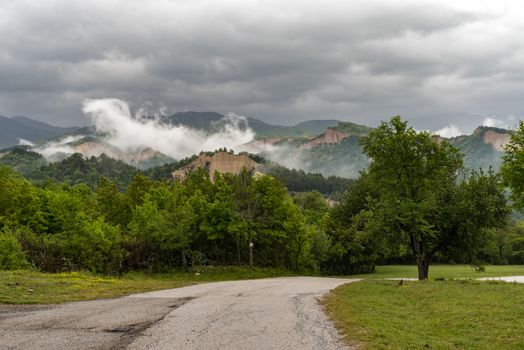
452, 314
445, 271
31, 287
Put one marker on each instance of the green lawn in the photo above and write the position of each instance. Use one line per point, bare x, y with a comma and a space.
445, 271
30, 287
451, 314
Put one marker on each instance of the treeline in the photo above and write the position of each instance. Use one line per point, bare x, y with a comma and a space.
78, 169
74, 169
159, 225
411, 205
300, 181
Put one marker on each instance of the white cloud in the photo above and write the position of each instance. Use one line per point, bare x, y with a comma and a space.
494, 122
23, 142
449, 131
54, 150
113, 117
280, 61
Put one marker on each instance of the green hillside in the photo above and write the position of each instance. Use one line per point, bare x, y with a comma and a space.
212, 121
74, 169
316, 127
477, 153
352, 128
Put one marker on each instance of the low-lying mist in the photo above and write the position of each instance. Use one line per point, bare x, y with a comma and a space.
128, 136
124, 133
113, 118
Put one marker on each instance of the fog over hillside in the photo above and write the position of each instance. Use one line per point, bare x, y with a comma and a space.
112, 118
148, 137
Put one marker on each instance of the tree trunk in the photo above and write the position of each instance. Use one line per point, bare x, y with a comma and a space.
297, 258
422, 263
423, 268
238, 250
184, 260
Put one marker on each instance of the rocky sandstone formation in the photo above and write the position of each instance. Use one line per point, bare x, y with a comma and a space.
330, 136
223, 162
496, 139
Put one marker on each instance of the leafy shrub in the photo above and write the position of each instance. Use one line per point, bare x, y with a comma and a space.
11, 255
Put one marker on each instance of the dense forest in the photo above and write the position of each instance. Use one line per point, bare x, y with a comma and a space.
410, 206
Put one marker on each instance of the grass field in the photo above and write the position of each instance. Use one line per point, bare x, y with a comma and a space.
435, 314
445, 271
31, 287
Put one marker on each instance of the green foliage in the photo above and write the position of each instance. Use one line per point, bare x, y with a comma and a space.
106, 217
513, 166
300, 181
315, 211
477, 153
350, 227
18, 199
420, 203
79, 170
504, 245
514, 245
476, 206
11, 255
352, 128
95, 246
412, 172
157, 225
113, 205
23, 160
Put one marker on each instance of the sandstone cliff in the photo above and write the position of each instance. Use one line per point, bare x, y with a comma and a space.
497, 139
330, 136
223, 162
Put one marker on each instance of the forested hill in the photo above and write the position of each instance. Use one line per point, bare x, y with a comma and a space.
77, 169
125, 221
483, 148
211, 121
327, 147
72, 170
332, 147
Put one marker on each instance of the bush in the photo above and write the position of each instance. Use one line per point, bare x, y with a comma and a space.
11, 255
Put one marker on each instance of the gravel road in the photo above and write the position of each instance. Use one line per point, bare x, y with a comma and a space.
514, 279
274, 313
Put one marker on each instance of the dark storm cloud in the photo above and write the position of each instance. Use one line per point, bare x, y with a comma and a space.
435, 63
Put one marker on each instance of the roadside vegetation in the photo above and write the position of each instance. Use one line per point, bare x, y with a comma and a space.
445, 272
32, 287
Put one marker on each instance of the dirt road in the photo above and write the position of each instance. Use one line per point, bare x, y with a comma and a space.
275, 313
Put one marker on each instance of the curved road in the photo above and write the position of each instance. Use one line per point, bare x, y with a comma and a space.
274, 313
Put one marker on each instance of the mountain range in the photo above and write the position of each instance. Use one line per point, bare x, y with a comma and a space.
212, 121
329, 147
14, 129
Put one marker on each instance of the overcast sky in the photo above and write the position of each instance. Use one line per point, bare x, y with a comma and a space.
435, 63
